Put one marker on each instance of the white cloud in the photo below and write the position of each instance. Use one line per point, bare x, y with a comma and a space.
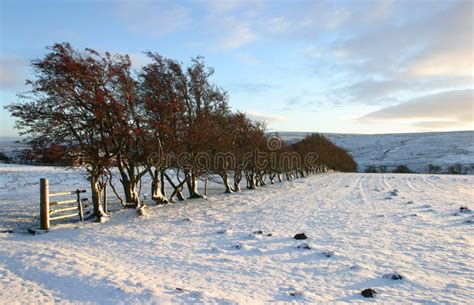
240, 34
449, 108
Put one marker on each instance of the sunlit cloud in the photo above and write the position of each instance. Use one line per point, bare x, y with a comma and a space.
459, 62
440, 110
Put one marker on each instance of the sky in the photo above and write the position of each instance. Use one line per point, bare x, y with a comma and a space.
354, 66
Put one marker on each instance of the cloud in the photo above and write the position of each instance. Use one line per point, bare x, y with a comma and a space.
154, 18
372, 91
441, 110
433, 125
13, 72
415, 44
239, 35
448, 62
255, 116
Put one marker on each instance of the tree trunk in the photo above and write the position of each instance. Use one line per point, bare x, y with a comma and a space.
225, 179
279, 177
177, 189
156, 193
96, 196
250, 180
237, 178
272, 178
191, 182
162, 180
129, 182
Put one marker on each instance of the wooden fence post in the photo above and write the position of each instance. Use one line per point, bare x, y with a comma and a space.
79, 205
44, 204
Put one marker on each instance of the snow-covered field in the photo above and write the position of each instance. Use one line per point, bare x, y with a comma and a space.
360, 227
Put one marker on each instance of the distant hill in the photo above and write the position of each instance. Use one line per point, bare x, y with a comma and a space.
415, 150
382, 151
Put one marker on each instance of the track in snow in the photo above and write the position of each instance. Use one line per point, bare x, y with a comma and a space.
206, 247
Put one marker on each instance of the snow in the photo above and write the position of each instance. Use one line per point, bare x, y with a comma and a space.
415, 150
360, 228
12, 148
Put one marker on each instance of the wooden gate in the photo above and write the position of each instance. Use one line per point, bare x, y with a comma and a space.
57, 210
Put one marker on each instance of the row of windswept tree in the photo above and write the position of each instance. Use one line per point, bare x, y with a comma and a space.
159, 121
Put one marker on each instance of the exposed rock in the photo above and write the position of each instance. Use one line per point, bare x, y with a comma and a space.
393, 193
393, 276
300, 236
464, 210
295, 293
258, 232
368, 293
328, 253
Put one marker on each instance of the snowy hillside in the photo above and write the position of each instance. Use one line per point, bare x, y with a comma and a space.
415, 150
239, 248
12, 148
